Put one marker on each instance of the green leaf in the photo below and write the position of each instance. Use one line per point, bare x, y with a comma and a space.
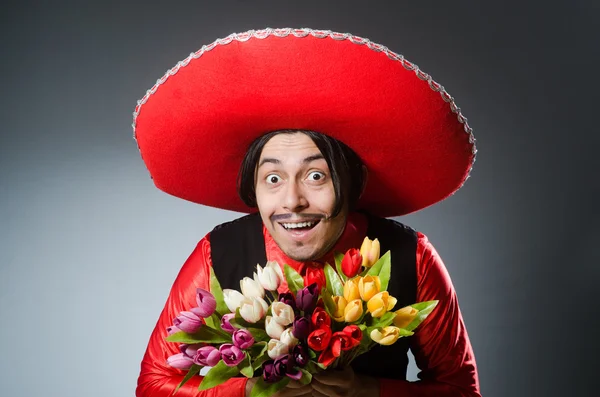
334, 284
256, 364
264, 389
204, 334
381, 322
294, 280
245, 368
424, 308
306, 377
338, 265
259, 334
382, 268
194, 370
215, 289
328, 302
218, 374
257, 349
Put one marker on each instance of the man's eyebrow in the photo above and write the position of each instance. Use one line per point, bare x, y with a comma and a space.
305, 161
268, 160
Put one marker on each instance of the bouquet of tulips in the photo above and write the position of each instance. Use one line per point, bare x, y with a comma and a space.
295, 334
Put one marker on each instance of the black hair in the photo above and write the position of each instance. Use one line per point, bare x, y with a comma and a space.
345, 166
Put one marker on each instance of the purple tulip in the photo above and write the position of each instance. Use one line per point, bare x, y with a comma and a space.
206, 303
226, 325
269, 375
187, 322
190, 350
300, 355
243, 339
172, 329
180, 361
301, 328
207, 356
231, 355
288, 299
306, 298
284, 366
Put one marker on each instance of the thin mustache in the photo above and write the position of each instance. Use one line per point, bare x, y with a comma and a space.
296, 217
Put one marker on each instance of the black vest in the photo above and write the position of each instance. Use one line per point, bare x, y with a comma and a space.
238, 246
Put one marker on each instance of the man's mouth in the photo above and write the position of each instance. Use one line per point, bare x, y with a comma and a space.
299, 226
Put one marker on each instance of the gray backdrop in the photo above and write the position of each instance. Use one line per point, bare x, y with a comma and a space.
90, 247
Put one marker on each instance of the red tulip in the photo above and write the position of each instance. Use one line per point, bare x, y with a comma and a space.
354, 333
352, 263
315, 275
320, 319
319, 339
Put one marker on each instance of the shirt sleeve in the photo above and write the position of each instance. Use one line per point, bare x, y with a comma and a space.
440, 344
157, 379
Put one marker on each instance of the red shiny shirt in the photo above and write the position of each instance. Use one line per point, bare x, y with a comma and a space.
440, 344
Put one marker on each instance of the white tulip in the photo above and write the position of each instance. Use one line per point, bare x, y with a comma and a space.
253, 309
233, 299
251, 288
275, 266
276, 349
267, 277
288, 338
273, 328
282, 313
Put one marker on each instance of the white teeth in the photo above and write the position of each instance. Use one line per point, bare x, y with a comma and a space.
297, 225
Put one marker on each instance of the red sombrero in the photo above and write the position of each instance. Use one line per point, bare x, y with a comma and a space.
195, 124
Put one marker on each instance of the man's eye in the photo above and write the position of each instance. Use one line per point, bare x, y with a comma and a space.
316, 176
273, 179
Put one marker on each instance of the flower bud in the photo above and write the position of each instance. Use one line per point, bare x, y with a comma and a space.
301, 327
233, 299
370, 252
368, 287
253, 309
351, 289
320, 318
276, 348
187, 322
380, 304
242, 338
226, 325
231, 354
267, 277
288, 338
207, 356
306, 298
252, 288
180, 361
283, 314
385, 336
340, 306
351, 263
353, 310
269, 375
273, 328
206, 303
405, 316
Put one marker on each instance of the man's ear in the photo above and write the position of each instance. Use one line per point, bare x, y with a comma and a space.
365, 175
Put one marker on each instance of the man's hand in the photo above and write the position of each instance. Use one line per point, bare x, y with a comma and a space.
344, 383
292, 389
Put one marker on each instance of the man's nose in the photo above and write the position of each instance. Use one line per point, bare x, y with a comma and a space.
294, 199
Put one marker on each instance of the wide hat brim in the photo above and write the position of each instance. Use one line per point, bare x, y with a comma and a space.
195, 124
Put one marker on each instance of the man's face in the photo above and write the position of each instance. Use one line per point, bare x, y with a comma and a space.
295, 197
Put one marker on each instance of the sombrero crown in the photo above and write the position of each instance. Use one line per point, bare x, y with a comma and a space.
195, 124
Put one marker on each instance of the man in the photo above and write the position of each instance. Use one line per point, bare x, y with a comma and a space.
325, 134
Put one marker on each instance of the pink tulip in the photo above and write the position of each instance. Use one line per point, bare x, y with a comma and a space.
226, 325
231, 354
207, 356
172, 329
243, 339
188, 322
180, 361
206, 303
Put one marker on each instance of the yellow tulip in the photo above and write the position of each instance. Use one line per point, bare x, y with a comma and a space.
381, 303
369, 251
351, 289
353, 310
340, 307
368, 287
385, 336
405, 316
